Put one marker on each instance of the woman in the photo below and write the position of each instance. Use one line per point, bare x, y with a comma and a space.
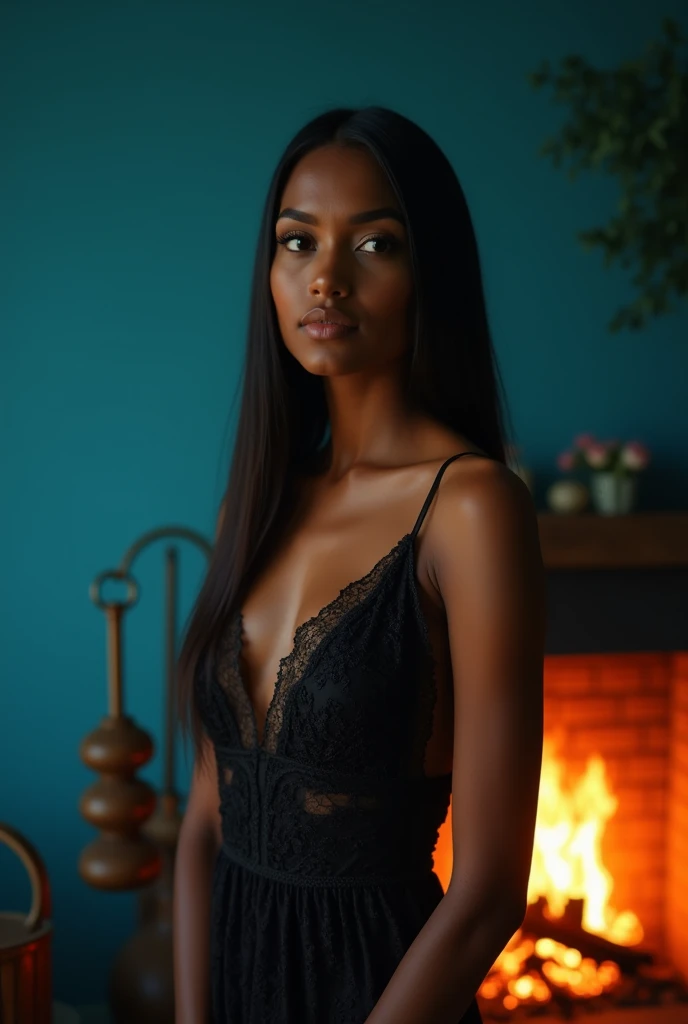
366, 641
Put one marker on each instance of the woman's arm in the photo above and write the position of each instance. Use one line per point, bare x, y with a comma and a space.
199, 841
485, 558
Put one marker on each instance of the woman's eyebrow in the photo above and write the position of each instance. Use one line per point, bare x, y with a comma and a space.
358, 218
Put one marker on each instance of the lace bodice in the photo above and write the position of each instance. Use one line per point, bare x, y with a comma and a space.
336, 789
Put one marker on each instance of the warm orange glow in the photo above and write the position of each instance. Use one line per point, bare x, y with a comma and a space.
567, 864
567, 858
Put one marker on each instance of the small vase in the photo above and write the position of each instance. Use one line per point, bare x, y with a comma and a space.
612, 494
567, 497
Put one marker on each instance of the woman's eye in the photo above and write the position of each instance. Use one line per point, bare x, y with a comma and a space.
297, 244
293, 242
379, 243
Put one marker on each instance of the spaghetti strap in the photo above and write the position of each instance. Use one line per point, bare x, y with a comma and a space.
435, 485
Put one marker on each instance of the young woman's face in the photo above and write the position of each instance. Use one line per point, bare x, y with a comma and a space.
342, 252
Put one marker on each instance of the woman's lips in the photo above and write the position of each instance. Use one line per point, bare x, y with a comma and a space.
322, 330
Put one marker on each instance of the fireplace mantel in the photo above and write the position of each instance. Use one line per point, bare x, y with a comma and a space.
636, 541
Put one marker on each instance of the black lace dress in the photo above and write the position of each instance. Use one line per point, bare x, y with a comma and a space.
329, 824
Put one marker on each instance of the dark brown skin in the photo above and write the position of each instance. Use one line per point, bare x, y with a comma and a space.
479, 573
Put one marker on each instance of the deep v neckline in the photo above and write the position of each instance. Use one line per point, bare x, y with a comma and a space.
308, 624
311, 622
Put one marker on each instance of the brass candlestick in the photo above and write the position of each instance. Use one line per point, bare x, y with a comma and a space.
138, 832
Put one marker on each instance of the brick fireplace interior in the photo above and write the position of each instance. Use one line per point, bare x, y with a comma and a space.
632, 710
616, 690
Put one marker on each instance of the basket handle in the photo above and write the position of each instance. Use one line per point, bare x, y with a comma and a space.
35, 868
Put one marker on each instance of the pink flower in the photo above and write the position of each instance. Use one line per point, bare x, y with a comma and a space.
565, 461
584, 441
635, 455
597, 455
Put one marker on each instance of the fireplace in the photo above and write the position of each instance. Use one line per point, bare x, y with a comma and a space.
607, 920
612, 834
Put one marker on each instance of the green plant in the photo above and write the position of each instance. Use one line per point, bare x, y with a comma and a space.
632, 123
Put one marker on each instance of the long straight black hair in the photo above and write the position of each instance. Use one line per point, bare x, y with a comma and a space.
451, 370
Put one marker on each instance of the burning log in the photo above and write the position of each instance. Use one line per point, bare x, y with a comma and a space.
569, 930
574, 952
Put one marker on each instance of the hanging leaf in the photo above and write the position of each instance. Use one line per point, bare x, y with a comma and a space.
632, 123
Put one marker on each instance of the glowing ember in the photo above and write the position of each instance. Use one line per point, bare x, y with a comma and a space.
567, 864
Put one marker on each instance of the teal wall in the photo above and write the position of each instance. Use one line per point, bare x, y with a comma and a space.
137, 143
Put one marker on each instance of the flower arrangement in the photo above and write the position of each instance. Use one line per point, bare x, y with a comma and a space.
619, 457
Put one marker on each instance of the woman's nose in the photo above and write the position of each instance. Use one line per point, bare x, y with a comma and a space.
330, 279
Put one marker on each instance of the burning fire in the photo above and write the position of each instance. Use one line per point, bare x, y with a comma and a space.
567, 855
562, 967
567, 864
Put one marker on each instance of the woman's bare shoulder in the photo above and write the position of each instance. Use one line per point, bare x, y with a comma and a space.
438, 442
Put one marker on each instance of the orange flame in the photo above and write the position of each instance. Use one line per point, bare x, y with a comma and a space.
567, 854
567, 864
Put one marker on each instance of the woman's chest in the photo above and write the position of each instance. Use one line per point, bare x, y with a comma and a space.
336, 637
300, 600
357, 691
